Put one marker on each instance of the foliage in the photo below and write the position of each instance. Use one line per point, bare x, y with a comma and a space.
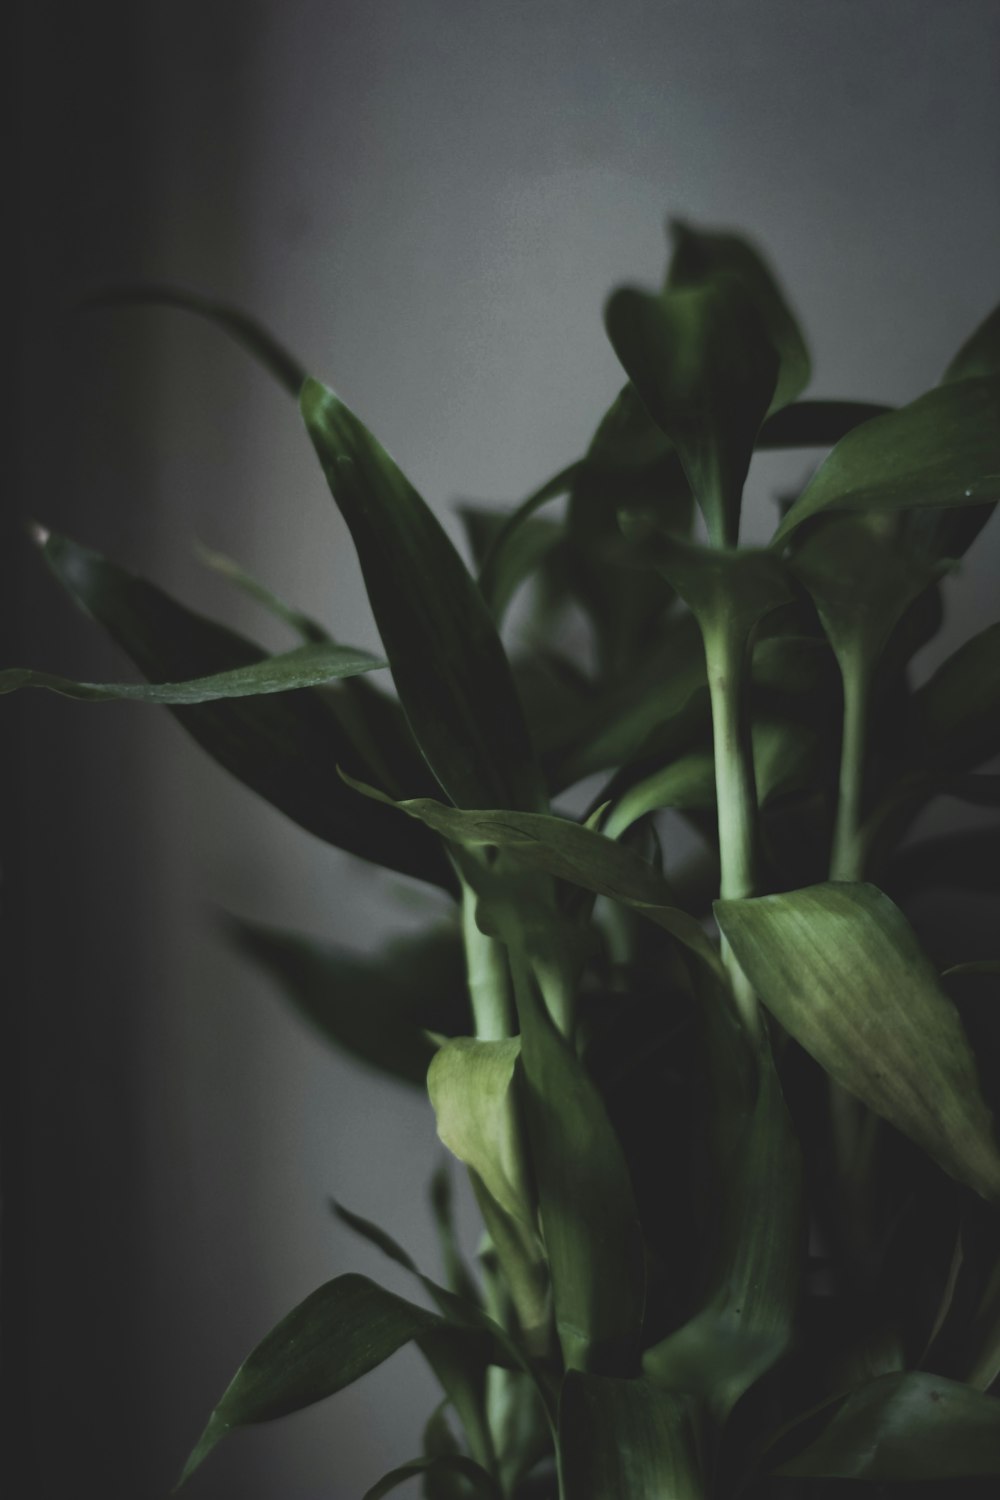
739, 1183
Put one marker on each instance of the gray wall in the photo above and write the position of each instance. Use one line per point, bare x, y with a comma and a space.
429, 199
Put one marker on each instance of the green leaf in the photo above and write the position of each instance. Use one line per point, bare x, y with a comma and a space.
913, 1426
504, 555
434, 1469
841, 969
284, 747
727, 590
590, 1224
516, 560
688, 782
227, 567
378, 1008
980, 354
473, 1094
237, 324
956, 714
816, 424
942, 450
700, 255
573, 853
968, 860
340, 1332
449, 667
703, 364
626, 1438
747, 1321
456, 1273
305, 666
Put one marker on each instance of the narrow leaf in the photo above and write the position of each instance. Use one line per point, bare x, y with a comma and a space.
980, 354
449, 667
941, 450
621, 1438
841, 969
227, 567
444, 1464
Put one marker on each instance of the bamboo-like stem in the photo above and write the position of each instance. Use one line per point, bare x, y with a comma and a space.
726, 653
847, 856
487, 974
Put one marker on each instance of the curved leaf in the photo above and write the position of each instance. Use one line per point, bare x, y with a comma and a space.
941, 450
340, 1332
816, 424
304, 667
473, 1095
227, 567
621, 1438
449, 667
703, 364
980, 354
436, 1468
904, 1427
841, 969
283, 746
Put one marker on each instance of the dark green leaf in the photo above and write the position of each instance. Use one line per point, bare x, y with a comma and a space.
244, 329
503, 557
436, 1468
727, 590
626, 1440
816, 424
956, 714
515, 561
941, 450
841, 969
699, 255
703, 364
968, 860
453, 678
377, 1008
284, 746
980, 354
306, 666
904, 1427
340, 1332
375, 1235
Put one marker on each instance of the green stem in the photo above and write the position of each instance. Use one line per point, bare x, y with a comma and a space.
486, 968
847, 857
736, 797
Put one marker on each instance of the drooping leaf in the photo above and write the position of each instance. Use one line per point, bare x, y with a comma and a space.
699, 255
237, 324
941, 450
569, 852
304, 667
340, 1332
841, 969
980, 354
956, 714
701, 360
472, 1091
449, 667
227, 567
285, 747
589, 1220
445, 1464
912, 1426
377, 1008
621, 1438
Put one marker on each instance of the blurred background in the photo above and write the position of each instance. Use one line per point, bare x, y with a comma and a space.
428, 200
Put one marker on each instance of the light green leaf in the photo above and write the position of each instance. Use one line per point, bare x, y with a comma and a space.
474, 1097
449, 667
699, 255
626, 1438
841, 969
305, 666
434, 1469
284, 746
913, 1426
941, 450
340, 1332
688, 782
377, 1008
703, 364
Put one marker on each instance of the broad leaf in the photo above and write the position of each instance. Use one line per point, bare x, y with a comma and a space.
941, 450
449, 667
703, 364
472, 1091
455, 1464
306, 666
285, 746
343, 1330
699, 255
816, 424
913, 1426
841, 969
626, 1438
377, 1008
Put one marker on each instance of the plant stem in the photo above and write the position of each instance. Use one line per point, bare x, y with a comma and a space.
736, 796
847, 857
486, 968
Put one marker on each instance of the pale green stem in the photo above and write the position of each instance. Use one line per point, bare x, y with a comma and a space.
847, 858
486, 969
736, 797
